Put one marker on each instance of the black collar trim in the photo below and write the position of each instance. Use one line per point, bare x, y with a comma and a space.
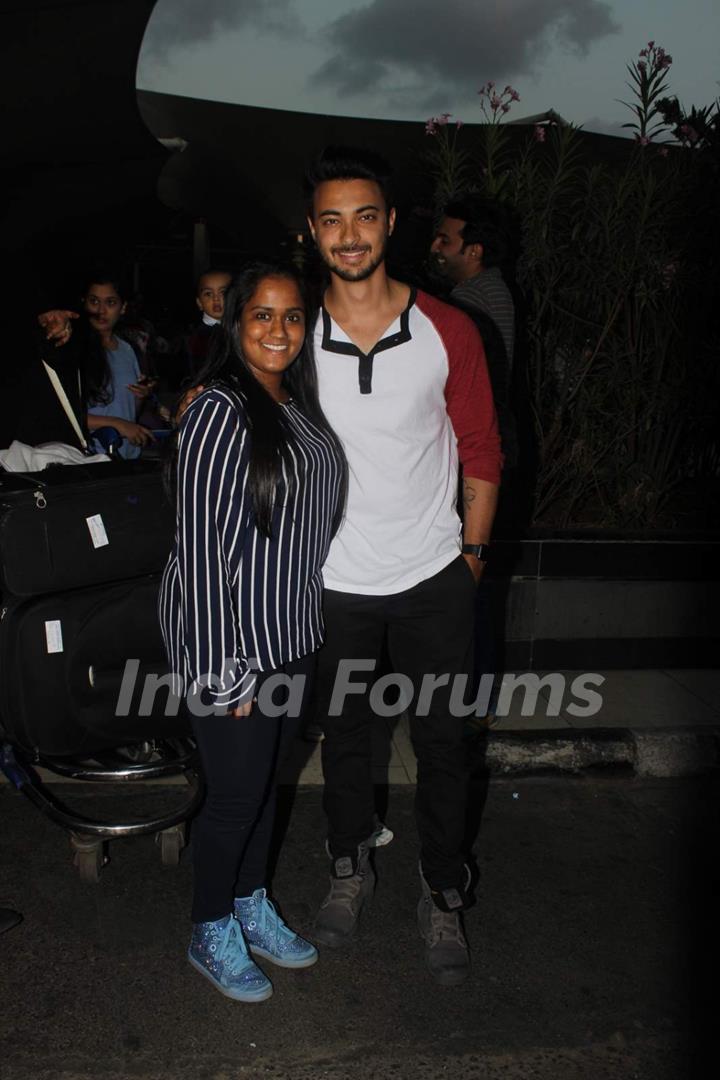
365, 360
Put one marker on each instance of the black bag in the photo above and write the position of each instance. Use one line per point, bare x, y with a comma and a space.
62, 662
71, 526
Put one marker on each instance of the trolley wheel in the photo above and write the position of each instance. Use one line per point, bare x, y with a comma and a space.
89, 857
171, 841
89, 864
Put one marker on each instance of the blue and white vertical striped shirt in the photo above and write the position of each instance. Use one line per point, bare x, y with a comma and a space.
231, 599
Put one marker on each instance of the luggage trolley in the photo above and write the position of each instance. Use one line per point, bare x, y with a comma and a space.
89, 838
81, 550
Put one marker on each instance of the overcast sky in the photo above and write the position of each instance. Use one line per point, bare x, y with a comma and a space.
408, 59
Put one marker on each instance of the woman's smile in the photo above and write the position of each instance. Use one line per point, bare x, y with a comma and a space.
272, 331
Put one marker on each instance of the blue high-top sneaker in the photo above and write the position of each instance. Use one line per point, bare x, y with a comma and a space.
218, 951
268, 936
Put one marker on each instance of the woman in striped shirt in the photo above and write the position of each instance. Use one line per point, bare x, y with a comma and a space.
260, 490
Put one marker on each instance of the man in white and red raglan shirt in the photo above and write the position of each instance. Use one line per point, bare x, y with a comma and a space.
404, 383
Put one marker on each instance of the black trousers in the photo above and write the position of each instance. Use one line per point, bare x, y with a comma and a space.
429, 632
232, 834
486, 651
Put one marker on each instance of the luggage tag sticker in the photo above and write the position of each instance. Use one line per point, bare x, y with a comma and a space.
53, 635
97, 531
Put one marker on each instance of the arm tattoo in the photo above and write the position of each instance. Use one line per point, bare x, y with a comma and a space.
469, 493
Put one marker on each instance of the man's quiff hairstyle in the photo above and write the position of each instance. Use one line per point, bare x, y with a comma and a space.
486, 223
348, 163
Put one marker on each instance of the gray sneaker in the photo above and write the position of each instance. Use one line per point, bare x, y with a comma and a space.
351, 886
446, 950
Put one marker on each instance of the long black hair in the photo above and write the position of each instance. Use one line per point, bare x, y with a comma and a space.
270, 436
97, 376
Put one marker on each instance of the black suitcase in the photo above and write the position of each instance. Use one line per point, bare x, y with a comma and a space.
69, 527
63, 658
81, 554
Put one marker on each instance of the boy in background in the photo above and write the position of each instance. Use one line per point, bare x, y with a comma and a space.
210, 299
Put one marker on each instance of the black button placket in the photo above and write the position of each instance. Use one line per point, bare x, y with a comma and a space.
365, 360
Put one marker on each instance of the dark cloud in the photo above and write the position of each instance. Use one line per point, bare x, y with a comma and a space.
186, 22
456, 45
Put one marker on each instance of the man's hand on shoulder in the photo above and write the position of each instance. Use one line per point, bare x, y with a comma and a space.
186, 400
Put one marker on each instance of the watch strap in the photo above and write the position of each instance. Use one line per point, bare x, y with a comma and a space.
480, 551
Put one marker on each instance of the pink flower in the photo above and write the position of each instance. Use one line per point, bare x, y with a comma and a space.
663, 151
539, 133
499, 103
656, 56
443, 118
431, 126
458, 124
642, 140
688, 133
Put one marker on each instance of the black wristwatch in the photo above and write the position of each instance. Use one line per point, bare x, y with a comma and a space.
480, 551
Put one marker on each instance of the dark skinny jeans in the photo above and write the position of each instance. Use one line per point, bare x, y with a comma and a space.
232, 833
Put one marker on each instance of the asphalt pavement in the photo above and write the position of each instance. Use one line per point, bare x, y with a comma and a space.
593, 937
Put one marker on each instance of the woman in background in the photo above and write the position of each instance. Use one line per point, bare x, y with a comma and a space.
125, 388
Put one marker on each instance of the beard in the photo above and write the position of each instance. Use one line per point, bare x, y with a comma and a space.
441, 268
350, 273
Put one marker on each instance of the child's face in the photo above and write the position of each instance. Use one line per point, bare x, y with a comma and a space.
104, 306
210, 297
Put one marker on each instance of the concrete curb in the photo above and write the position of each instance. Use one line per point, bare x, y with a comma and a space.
659, 752
645, 752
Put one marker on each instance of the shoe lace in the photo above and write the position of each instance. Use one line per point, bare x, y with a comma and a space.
345, 890
269, 922
445, 926
231, 948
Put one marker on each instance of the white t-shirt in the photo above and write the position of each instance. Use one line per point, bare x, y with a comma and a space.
405, 414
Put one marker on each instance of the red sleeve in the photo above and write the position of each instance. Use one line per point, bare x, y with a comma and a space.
468, 395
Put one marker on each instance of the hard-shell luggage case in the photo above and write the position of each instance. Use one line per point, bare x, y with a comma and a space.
69, 527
